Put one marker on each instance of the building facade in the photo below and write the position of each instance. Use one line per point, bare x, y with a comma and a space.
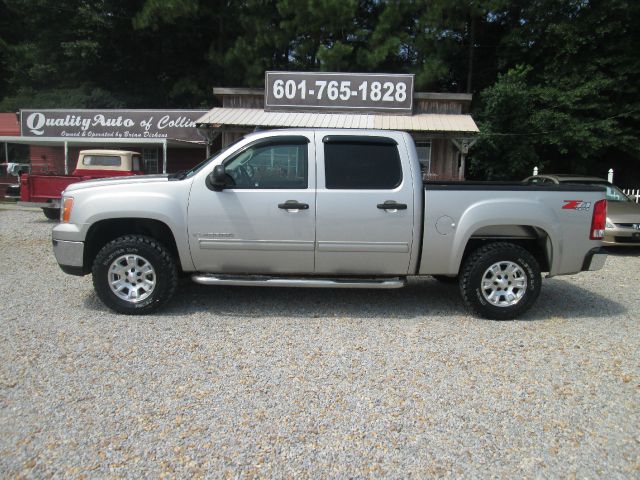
48, 140
440, 124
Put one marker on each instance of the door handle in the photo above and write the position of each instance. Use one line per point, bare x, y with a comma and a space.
391, 205
293, 205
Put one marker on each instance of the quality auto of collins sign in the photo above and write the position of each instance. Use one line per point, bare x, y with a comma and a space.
174, 124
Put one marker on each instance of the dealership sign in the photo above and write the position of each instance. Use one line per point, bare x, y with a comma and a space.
134, 124
362, 92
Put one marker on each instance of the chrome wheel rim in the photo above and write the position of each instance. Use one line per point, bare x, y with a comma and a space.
504, 284
132, 278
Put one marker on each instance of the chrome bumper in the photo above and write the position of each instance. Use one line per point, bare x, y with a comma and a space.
68, 254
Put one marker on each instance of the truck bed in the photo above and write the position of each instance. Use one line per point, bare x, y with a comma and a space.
557, 218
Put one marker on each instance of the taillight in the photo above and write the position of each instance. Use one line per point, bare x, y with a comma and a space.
599, 220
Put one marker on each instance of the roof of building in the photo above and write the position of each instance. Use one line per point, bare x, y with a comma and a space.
108, 152
461, 97
9, 125
424, 122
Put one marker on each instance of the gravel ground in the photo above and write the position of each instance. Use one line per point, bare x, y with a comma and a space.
246, 382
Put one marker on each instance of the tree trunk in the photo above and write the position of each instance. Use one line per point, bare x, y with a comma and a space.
472, 41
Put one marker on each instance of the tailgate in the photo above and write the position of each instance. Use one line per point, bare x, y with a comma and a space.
41, 188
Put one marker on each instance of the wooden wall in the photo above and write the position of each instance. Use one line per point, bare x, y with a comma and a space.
444, 159
243, 101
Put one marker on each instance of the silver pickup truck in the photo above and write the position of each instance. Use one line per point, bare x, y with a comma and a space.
324, 208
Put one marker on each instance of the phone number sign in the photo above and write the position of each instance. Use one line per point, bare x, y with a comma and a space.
373, 92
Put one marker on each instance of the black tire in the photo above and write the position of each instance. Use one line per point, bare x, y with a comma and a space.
143, 252
51, 213
507, 295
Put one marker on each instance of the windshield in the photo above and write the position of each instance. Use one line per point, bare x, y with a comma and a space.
614, 194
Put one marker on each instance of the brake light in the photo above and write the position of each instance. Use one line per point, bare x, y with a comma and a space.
66, 209
598, 220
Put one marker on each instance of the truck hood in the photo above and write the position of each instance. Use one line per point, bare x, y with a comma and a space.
113, 181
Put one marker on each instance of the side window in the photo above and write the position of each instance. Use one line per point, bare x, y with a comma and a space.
280, 166
362, 166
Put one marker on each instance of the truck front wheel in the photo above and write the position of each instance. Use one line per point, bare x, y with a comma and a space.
500, 281
134, 274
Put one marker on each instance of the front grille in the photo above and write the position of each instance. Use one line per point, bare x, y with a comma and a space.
626, 225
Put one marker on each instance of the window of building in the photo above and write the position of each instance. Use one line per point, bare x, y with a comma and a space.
270, 166
14, 153
362, 166
150, 156
424, 155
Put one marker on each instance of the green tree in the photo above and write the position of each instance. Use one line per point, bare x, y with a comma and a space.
575, 103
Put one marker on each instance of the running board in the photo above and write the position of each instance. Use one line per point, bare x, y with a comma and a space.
262, 281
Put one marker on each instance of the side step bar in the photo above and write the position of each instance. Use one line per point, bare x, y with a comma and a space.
263, 281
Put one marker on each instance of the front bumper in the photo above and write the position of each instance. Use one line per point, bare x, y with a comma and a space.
594, 260
70, 256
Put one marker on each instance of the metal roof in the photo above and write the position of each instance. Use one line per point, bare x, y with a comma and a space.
9, 124
423, 122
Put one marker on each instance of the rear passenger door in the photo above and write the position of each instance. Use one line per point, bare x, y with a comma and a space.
364, 206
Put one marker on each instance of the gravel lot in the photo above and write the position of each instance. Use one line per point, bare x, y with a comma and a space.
244, 382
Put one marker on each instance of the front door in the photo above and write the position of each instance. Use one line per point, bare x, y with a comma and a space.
264, 222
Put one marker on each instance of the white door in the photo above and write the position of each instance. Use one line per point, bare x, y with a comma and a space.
365, 206
264, 221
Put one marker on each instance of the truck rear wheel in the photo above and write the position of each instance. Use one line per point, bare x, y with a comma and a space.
51, 213
500, 281
134, 274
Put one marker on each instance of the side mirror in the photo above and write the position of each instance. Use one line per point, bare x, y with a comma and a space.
218, 178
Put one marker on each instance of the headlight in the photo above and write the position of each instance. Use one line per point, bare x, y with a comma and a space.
610, 223
67, 205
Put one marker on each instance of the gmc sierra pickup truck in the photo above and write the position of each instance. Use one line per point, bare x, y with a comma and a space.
324, 208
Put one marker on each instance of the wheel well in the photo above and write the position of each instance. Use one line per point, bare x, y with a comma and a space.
533, 239
103, 232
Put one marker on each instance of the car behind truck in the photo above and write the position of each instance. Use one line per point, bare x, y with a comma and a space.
324, 208
45, 191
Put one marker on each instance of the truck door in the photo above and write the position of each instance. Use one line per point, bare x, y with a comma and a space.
365, 206
265, 222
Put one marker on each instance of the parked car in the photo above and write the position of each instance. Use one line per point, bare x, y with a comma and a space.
623, 214
324, 208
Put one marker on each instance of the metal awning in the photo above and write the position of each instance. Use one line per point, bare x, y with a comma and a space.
82, 141
254, 117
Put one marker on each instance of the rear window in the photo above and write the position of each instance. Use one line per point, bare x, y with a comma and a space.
362, 166
102, 160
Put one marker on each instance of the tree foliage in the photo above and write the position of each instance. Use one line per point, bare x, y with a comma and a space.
555, 82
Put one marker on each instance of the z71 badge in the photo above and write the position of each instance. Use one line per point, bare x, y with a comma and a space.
576, 205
